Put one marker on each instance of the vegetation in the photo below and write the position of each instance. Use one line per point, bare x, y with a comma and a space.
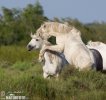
21, 71
16, 24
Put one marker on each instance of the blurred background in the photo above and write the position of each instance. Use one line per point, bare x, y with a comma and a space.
19, 18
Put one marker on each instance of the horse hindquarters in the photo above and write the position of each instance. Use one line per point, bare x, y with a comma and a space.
97, 60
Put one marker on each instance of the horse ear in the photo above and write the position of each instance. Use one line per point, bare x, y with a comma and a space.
44, 26
31, 34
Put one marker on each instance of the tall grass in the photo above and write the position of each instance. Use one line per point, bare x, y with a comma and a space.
12, 54
22, 72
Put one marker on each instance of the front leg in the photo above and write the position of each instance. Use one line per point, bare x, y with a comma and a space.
41, 54
56, 48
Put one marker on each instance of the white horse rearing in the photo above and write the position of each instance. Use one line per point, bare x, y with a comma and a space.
68, 41
53, 61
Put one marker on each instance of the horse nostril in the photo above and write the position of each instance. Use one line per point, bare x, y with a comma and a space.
29, 47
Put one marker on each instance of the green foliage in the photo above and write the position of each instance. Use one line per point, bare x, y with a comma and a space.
7, 14
20, 71
16, 24
100, 30
19, 65
12, 54
33, 16
52, 40
77, 85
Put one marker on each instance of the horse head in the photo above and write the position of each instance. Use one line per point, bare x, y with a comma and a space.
35, 43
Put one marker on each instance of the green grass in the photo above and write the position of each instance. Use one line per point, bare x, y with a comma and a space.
12, 54
20, 71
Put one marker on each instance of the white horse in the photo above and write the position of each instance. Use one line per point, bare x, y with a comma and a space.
101, 47
53, 61
68, 41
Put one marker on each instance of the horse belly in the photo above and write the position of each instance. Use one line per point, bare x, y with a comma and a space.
102, 51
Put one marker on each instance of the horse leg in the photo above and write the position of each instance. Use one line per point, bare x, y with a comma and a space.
56, 48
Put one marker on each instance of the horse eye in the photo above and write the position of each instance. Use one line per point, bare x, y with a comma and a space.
37, 39
44, 26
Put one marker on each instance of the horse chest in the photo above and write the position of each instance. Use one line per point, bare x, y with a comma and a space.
69, 54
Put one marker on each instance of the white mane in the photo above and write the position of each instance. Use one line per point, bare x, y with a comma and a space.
56, 28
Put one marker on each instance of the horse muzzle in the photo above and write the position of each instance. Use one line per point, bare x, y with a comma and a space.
29, 47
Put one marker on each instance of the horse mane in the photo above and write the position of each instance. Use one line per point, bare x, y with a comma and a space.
58, 27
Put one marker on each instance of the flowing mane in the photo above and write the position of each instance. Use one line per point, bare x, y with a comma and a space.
60, 28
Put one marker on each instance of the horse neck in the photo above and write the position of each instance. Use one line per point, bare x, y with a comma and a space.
45, 43
76, 35
71, 31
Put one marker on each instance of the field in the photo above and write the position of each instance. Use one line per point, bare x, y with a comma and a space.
21, 71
